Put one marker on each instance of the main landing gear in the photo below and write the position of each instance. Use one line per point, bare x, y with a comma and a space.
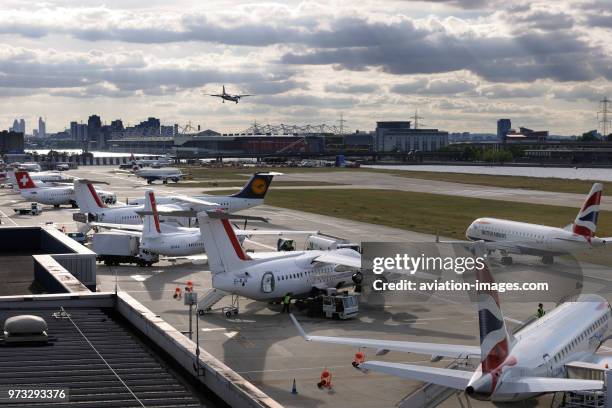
506, 260
547, 260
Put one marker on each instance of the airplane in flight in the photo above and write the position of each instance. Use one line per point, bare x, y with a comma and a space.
54, 195
512, 367
229, 97
512, 237
271, 275
252, 194
171, 241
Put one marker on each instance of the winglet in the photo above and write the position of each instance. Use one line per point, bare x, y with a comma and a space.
297, 325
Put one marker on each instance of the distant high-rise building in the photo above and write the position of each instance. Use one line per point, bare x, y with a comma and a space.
94, 124
42, 127
22, 128
18, 126
15, 127
73, 130
116, 125
166, 131
503, 128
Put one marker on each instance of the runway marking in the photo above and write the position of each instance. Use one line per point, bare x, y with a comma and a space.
261, 245
209, 329
513, 320
139, 278
231, 334
7, 217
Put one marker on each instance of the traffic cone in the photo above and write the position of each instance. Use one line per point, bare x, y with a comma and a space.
294, 388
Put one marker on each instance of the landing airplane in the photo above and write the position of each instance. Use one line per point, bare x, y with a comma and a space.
272, 275
511, 237
252, 194
53, 195
229, 97
512, 367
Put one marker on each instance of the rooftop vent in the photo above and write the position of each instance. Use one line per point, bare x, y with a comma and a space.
25, 329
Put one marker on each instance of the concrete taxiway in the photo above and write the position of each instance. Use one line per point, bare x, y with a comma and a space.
262, 344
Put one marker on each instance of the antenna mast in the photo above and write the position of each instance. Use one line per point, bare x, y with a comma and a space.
603, 114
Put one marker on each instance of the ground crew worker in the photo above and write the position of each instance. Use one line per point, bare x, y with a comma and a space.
286, 303
325, 379
541, 311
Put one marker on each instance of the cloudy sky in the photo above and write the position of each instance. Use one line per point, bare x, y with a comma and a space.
461, 63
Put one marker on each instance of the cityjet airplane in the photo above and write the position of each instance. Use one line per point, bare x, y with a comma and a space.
272, 275
229, 97
512, 367
251, 195
159, 162
167, 240
511, 237
53, 195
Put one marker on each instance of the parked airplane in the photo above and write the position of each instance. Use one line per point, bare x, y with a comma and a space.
159, 162
229, 97
168, 240
162, 173
28, 166
270, 276
252, 194
42, 178
511, 237
512, 367
53, 195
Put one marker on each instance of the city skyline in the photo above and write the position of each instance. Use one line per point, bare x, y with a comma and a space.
462, 63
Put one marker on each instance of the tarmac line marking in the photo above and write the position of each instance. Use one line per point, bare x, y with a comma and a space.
7, 217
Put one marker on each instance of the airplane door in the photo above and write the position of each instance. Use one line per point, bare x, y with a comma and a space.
267, 282
548, 365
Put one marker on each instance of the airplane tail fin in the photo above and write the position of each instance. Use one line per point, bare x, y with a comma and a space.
224, 89
585, 223
24, 181
151, 227
257, 186
222, 246
87, 198
495, 339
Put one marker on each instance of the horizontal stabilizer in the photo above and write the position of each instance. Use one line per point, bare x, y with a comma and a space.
446, 377
546, 384
335, 258
197, 201
435, 349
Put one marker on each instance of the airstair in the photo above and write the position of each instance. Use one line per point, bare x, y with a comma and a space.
210, 298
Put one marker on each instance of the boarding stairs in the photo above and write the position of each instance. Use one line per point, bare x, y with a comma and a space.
210, 298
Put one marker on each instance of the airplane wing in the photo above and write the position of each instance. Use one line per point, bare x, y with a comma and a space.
242, 95
335, 258
547, 384
446, 377
122, 227
434, 349
198, 201
217, 95
273, 232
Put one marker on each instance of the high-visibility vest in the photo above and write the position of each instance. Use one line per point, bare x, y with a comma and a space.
287, 300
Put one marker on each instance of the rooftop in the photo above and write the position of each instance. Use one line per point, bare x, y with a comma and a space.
70, 361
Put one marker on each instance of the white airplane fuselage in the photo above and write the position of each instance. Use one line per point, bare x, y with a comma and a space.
58, 195
295, 273
180, 243
570, 332
530, 239
224, 203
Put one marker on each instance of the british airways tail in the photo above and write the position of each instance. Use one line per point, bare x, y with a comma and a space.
585, 223
87, 198
495, 340
257, 186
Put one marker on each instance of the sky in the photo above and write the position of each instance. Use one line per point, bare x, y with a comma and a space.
462, 63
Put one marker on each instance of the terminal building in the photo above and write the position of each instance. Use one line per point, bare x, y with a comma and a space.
399, 136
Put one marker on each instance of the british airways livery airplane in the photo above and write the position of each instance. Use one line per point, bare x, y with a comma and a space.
512, 367
512, 237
